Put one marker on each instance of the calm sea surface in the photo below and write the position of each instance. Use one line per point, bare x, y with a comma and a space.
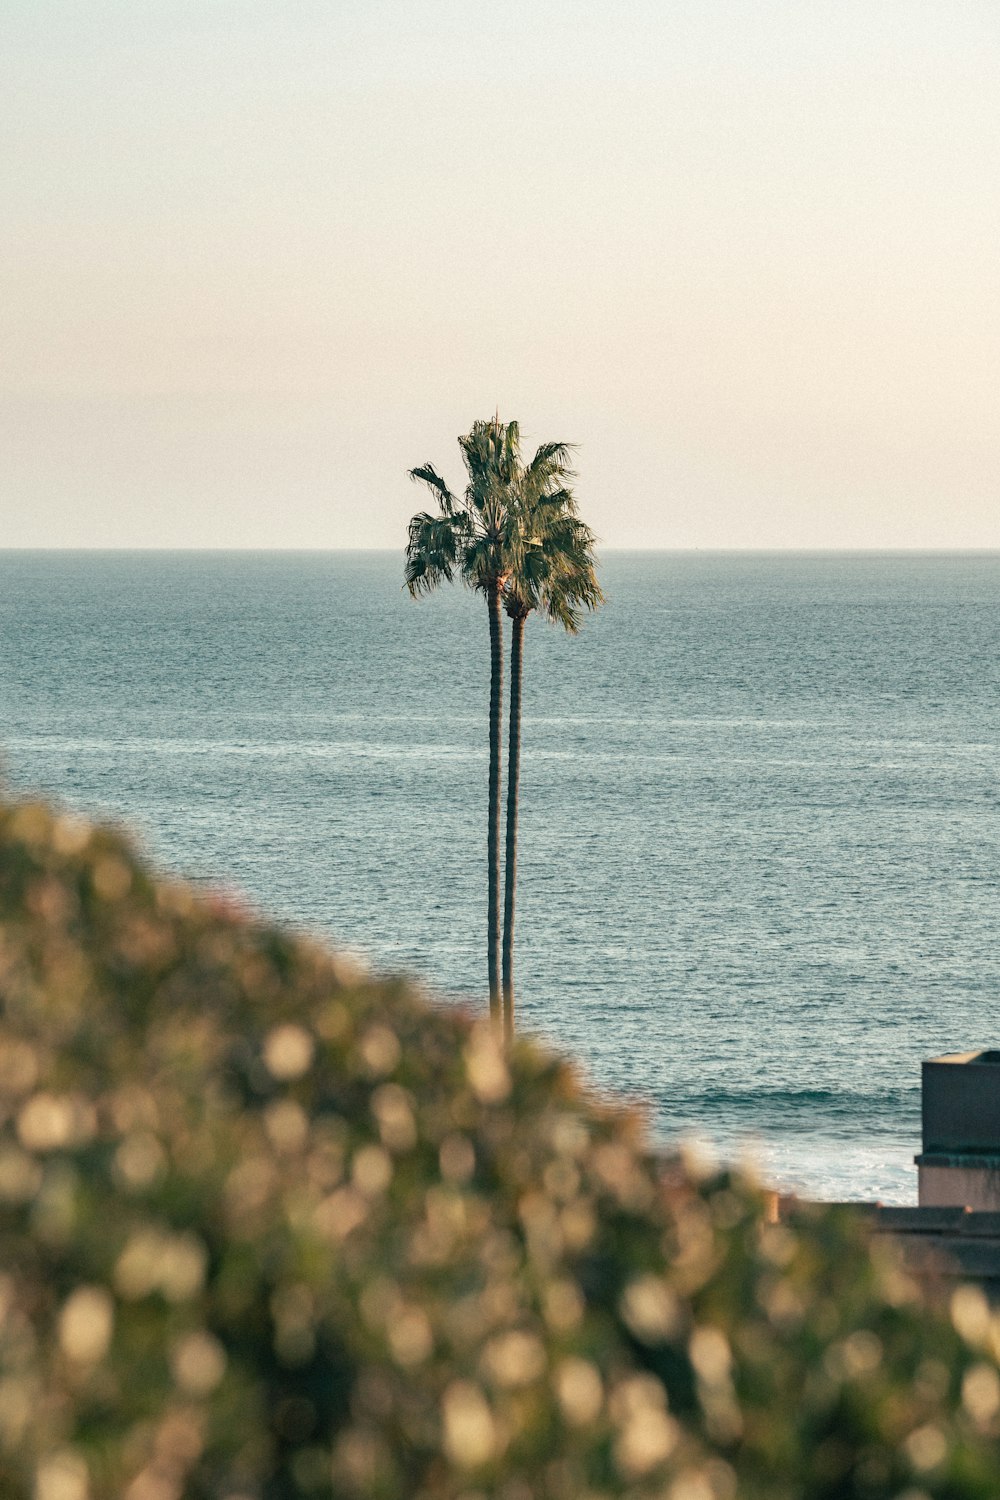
760, 823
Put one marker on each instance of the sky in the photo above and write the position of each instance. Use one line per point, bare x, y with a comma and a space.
260, 257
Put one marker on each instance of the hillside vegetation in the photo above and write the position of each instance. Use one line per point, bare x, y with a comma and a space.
271, 1228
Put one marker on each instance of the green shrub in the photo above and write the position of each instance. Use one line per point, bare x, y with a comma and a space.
270, 1228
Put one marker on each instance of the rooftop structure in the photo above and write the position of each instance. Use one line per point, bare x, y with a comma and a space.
953, 1232
959, 1166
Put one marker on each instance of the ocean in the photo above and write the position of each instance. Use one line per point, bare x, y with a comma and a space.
760, 828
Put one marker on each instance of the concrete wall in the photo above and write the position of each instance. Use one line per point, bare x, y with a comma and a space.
965, 1185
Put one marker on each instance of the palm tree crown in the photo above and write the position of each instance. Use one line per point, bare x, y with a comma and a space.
471, 534
552, 567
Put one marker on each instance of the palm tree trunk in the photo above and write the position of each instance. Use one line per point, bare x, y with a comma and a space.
493, 834
510, 853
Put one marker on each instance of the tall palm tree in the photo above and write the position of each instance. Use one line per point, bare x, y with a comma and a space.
471, 535
551, 568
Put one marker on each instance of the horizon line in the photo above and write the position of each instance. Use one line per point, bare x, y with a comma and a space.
194, 551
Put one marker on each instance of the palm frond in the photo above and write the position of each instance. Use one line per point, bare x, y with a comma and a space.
427, 474
433, 551
552, 457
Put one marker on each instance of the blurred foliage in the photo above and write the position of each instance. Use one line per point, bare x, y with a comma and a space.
270, 1228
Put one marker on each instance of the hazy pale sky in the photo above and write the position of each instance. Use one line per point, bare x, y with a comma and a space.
259, 257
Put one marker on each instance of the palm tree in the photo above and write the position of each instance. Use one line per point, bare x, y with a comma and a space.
471, 534
551, 568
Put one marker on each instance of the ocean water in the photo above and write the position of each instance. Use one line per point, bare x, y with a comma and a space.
760, 844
